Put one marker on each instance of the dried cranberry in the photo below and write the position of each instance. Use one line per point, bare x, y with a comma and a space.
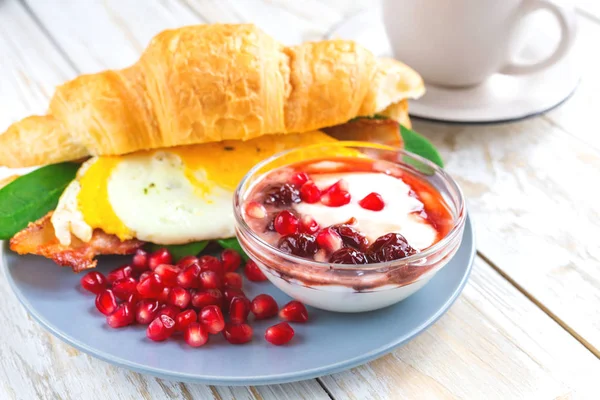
299, 244
282, 195
351, 237
347, 255
392, 246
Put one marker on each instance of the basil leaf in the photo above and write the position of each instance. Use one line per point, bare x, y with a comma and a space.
232, 243
418, 144
178, 251
30, 197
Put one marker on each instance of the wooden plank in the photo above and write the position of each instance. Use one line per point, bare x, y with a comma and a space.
576, 116
493, 344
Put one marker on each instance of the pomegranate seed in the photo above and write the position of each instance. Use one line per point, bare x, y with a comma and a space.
210, 280
151, 287
210, 263
329, 240
264, 306
133, 298
122, 316
232, 280
256, 210
373, 201
186, 262
160, 256
339, 186
279, 334
238, 333
212, 319
207, 297
253, 272
230, 293
299, 178
123, 288
169, 310
168, 274
93, 282
335, 199
231, 260
140, 261
239, 310
294, 311
163, 297
184, 318
195, 335
144, 275
161, 328
286, 223
106, 302
308, 224
122, 272
310, 193
189, 277
146, 311
179, 297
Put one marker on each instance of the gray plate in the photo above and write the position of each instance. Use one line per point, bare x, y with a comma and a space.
329, 343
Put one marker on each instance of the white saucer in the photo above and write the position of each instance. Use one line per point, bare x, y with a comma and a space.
501, 98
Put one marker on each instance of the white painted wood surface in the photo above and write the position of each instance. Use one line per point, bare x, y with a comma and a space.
536, 216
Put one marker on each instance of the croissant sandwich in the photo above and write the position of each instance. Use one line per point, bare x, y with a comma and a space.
165, 141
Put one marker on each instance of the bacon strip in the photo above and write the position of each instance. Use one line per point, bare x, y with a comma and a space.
39, 238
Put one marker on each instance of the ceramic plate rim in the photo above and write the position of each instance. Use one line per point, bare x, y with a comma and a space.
258, 380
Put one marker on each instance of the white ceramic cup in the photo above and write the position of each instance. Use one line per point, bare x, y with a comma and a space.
463, 42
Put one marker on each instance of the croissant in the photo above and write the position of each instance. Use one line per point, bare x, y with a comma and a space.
209, 83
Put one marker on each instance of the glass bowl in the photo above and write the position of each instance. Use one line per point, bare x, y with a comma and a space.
352, 288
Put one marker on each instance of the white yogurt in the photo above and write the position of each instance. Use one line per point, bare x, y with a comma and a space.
397, 216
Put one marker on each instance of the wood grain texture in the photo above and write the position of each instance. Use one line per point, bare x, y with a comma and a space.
493, 344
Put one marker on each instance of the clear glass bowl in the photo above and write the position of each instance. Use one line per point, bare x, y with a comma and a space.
352, 288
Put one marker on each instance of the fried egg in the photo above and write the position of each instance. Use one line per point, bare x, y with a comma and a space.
167, 196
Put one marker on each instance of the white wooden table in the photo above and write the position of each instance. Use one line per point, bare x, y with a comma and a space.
528, 323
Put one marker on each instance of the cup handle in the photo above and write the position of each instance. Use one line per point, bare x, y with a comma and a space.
566, 18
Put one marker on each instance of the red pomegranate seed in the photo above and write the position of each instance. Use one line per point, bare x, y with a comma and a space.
210, 280
168, 274
233, 280
186, 262
210, 263
184, 318
238, 333
195, 335
160, 256
335, 199
373, 201
231, 260
230, 293
286, 223
161, 328
140, 261
279, 334
169, 310
239, 310
339, 186
253, 272
144, 275
207, 297
264, 306
256, 210
151, 287
106, 302
122, 272
308, 224
146, 311
294, 311
123, 288
179, 297
189, 277
212, 319
122, 316
310, 193
133, 298
299, 178
93, 282
163, 297
329, 240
